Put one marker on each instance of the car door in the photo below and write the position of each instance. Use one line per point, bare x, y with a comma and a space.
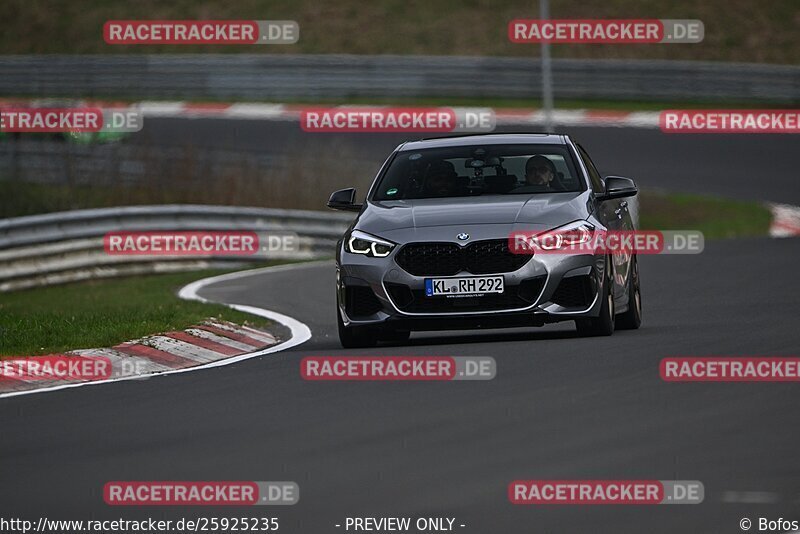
615, 215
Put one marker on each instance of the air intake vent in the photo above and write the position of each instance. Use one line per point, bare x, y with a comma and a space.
448, 259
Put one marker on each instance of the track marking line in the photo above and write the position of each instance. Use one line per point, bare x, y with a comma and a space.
300, 332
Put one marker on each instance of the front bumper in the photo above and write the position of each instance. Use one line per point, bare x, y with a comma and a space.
548, 288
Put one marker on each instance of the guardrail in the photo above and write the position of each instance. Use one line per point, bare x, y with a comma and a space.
264, 77
68, 246
47, 161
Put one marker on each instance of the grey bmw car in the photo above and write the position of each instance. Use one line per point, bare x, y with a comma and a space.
431, 246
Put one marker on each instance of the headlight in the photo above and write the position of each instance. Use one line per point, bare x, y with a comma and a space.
567, 236
368, 245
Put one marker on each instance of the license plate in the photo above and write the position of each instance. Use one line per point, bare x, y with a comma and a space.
467, 285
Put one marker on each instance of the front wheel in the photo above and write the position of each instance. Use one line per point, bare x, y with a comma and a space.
602, 325
632, 319
355, 337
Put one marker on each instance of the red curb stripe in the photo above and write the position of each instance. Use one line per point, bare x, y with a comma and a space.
25, 379
7, 382
159, 356
70, 376
9, 385
212, 322
205, 343
241, 338
257, 331
107, 104
11, 382
786, 226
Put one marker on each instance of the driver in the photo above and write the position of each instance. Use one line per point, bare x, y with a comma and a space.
440, 179
540, 171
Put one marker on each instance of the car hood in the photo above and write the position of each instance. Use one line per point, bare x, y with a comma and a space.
513, 212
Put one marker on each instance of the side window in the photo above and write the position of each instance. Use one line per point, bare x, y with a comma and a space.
594, 175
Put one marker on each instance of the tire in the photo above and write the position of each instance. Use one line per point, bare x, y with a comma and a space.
632, 319
602, 325
355, 337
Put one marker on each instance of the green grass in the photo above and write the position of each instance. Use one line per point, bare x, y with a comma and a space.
715, 217
102, 313
21, 198
735, 30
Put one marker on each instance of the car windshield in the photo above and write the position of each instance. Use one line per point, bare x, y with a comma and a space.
479, 170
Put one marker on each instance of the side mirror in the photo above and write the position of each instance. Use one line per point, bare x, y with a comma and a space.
344, 199
618, 187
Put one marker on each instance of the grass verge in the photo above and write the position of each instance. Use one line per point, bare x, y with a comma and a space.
735, 30
103, 313
18, 199
715, 217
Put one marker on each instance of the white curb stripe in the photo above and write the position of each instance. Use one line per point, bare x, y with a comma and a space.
184, 350
39, 381
258, 111
256, 332
255, 335
785, 220
279, 112
219, 339
121, 363
300, 332
161, 109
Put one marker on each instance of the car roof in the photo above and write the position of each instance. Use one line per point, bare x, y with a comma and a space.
486, 139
